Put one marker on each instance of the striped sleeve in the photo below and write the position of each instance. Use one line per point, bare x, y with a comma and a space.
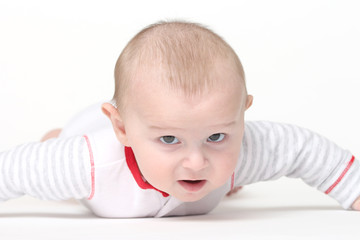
57, 169
271, 150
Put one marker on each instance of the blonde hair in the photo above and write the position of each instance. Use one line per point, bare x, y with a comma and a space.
187, 53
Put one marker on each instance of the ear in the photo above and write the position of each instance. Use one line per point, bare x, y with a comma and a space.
249, 101
117, 122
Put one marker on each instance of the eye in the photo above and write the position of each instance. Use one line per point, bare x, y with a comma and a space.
169, 140
217, 137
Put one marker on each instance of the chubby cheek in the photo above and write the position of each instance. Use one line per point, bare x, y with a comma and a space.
154, 168
225, 168
225, 164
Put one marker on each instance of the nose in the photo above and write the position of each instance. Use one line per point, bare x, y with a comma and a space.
195, 160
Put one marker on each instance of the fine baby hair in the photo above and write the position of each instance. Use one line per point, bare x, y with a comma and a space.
186, 53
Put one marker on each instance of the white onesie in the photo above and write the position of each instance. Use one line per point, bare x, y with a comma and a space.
87, 162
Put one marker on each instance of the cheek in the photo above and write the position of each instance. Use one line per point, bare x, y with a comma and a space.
228, 161
224, 163
152, 165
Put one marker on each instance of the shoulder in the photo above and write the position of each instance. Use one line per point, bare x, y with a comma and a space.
105, 147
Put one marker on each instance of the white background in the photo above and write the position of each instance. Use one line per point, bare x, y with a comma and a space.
301, 60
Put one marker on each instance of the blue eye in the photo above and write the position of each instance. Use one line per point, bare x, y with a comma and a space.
217, 137
169, 140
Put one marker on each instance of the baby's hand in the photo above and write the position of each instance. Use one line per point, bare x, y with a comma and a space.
356, 204
52, 134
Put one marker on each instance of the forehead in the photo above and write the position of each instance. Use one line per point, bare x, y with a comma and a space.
155, 102
192, 80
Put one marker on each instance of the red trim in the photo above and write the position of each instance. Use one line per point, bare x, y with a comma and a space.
232, 181
341, 176
135, 171
92, 168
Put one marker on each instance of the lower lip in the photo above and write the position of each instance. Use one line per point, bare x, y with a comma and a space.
192, 186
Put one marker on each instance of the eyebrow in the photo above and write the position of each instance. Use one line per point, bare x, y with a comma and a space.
164, 128
177, 128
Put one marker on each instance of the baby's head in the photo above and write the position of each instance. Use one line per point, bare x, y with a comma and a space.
184, 56
180, 94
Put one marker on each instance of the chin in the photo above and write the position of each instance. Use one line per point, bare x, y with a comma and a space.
190, 197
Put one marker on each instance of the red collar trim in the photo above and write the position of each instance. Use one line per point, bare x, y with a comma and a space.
135, 171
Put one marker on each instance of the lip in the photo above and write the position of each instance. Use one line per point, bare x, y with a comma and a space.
192, 185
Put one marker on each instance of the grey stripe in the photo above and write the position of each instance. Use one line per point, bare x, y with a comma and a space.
84, 178
279, 153
56, 165
50, 193
62, 176
240, 175
283, 156
254, 156
275, 153
270, 169
37, 188
315, 171
250, 151
10, 184
21, 169
261, 143
16, 168
245, 146
295, 137
295, 145
27, 175
72, 167
302, 155
11, 174
326, 160
50, 168
23, 161
308, 165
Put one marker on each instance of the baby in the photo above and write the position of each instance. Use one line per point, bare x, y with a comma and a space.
176, 142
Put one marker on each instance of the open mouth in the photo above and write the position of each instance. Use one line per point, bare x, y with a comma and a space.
192, 185
192, 181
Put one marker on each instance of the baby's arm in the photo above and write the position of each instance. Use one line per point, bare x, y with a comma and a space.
272, 150
57, 169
